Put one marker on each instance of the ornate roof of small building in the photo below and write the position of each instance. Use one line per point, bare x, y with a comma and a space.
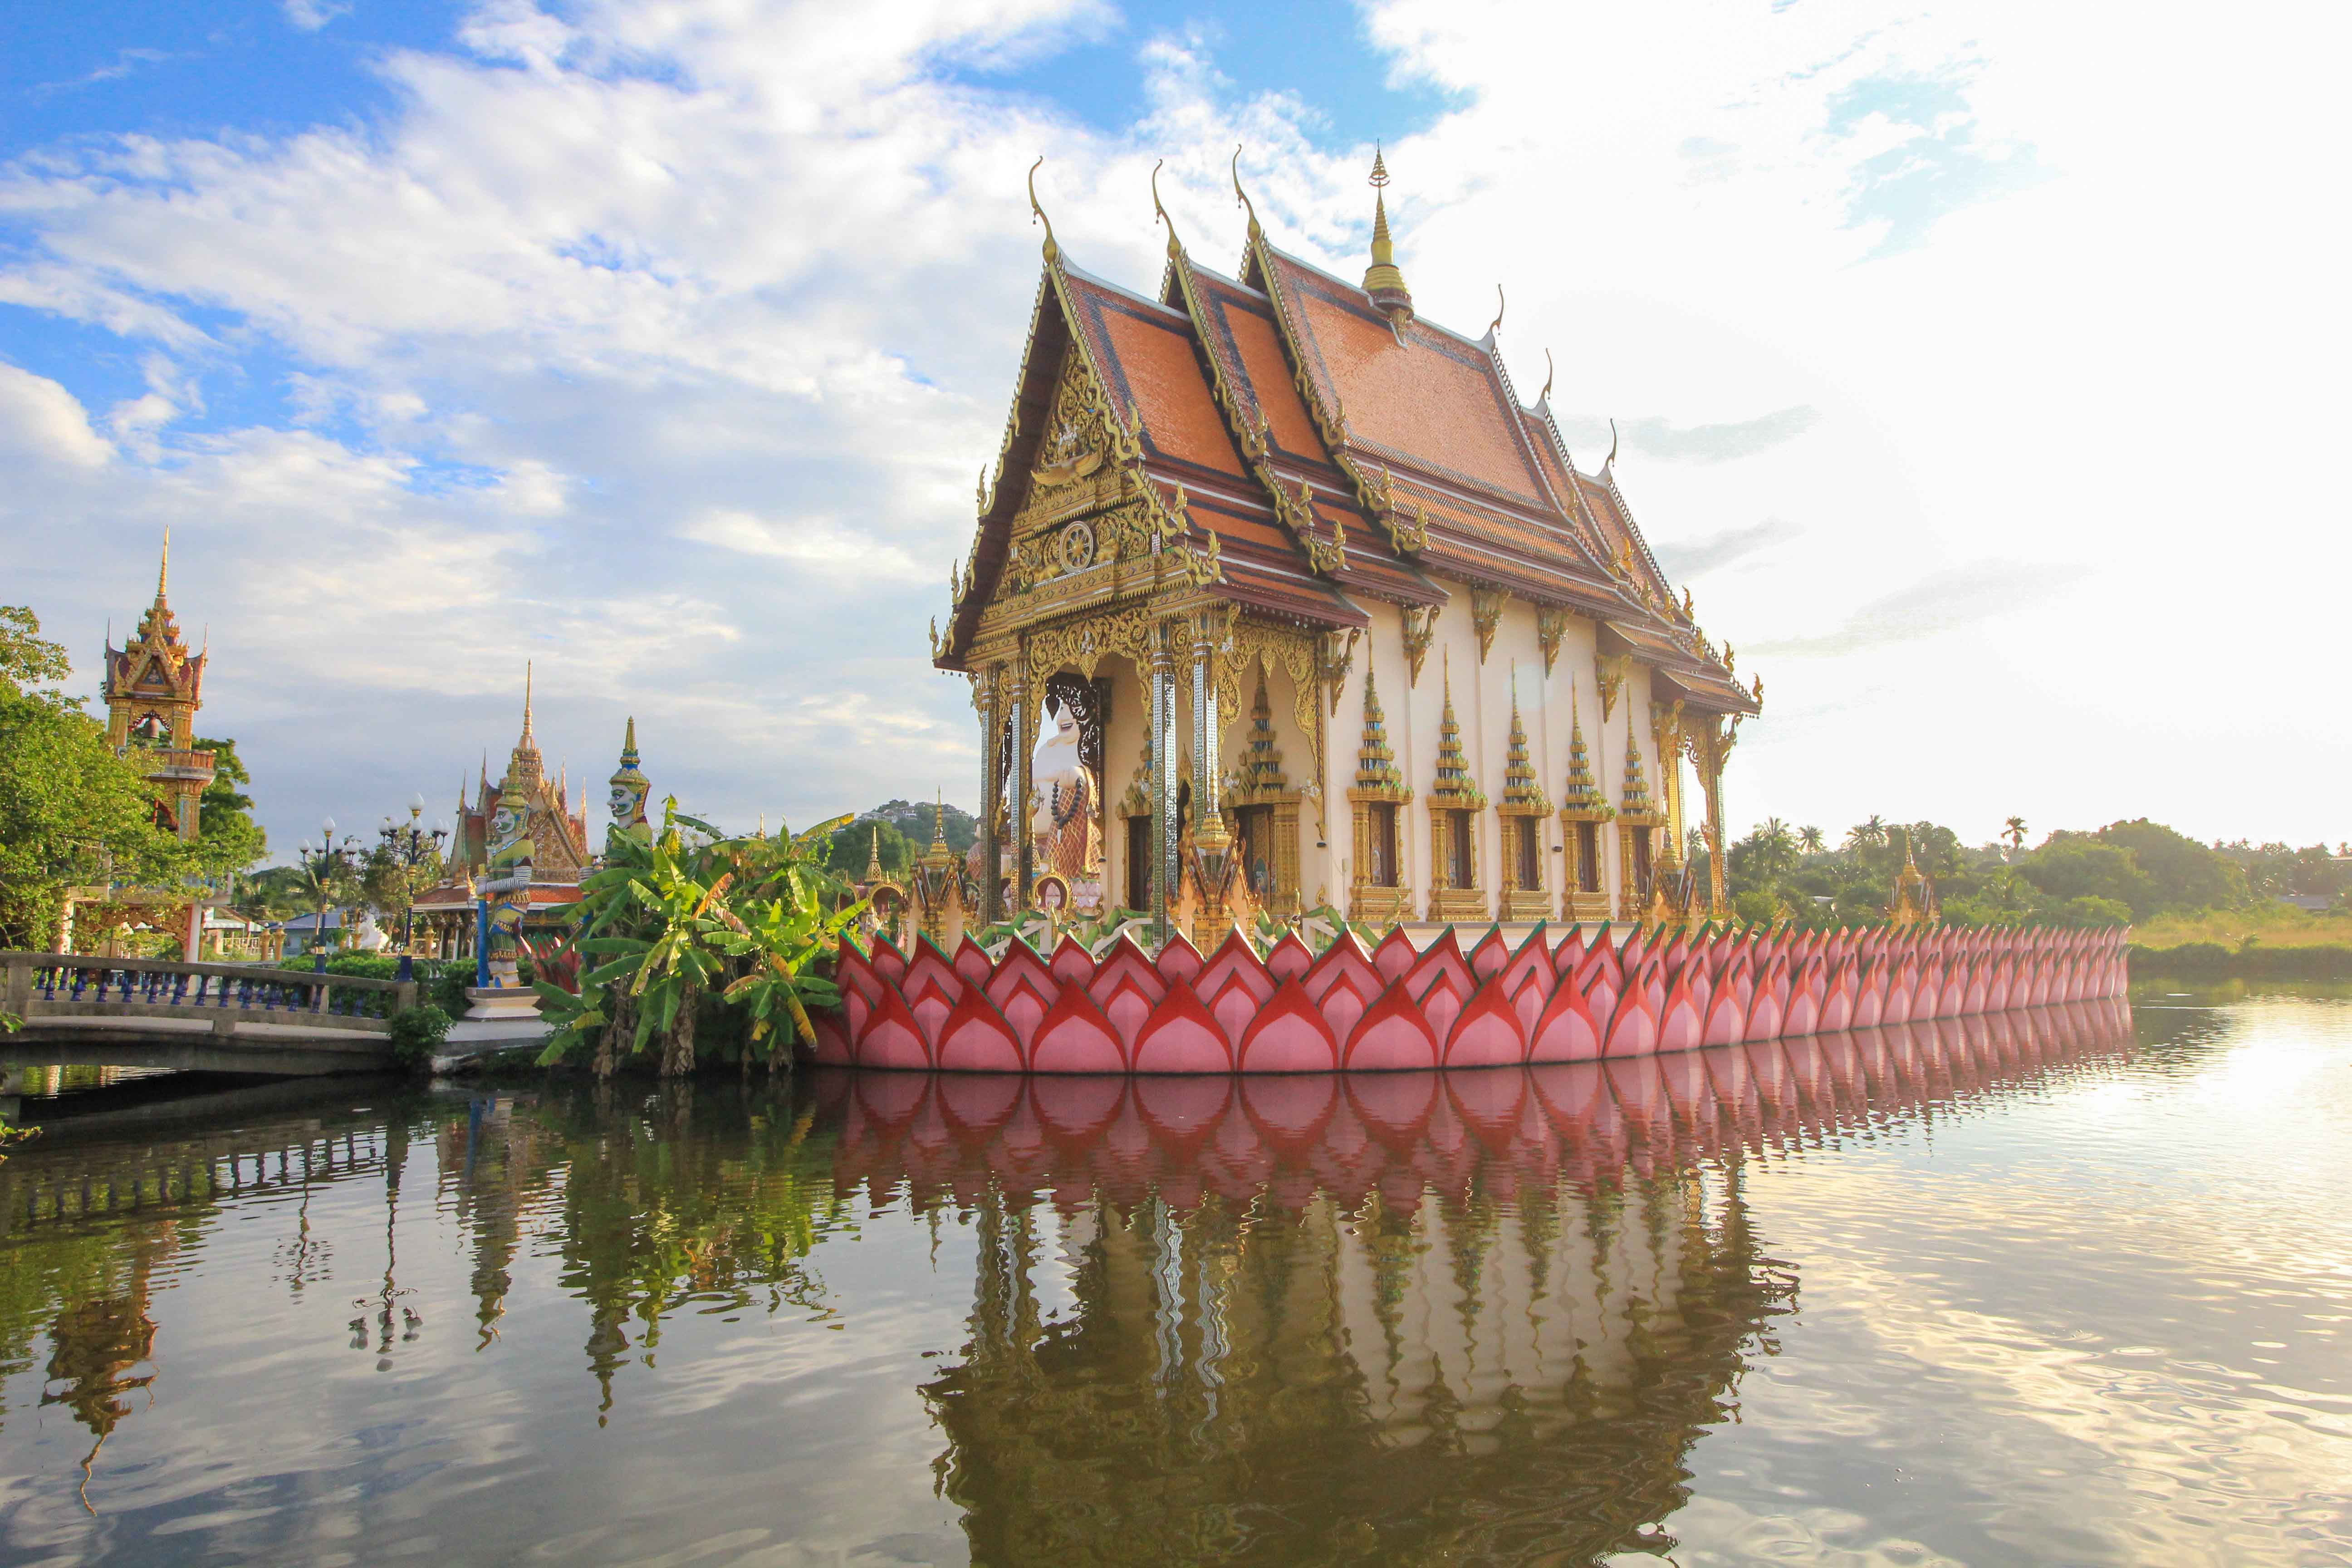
1329, 450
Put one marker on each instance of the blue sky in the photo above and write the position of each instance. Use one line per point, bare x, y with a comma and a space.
659, 346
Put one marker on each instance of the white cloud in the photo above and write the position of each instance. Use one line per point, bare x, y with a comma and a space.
41, 422
312, 14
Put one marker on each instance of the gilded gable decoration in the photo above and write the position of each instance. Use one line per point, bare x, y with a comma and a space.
1610, 670
1486, 615
1551, 625
1420, 627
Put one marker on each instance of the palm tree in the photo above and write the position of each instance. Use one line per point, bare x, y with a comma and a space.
1867, 835
2015, 833
1809, 840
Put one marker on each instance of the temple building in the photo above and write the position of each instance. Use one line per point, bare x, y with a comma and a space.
523, 808
1470, 690
152, 687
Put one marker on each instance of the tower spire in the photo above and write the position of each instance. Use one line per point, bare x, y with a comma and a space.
1384, 284
163, 566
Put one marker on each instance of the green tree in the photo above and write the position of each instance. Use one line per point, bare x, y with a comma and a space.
71, 810
1810, 841
2181, 873
2078, 866
229, 840
848, 848
692, 923
2014, 831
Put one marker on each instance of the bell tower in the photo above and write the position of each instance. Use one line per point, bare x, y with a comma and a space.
154, 686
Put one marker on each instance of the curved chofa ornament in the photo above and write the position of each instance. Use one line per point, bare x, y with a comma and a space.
1611, 460
1037, 213
1242, 195
1544, 397
1501, 304
1175, 245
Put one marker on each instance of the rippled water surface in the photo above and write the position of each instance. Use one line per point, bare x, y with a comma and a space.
2071, 1286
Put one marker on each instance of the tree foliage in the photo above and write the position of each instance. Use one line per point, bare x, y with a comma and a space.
704, 945
71, 810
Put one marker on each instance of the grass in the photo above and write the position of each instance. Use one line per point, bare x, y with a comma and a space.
2277, 926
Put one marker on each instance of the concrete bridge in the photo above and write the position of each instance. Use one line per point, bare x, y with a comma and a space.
214, 1017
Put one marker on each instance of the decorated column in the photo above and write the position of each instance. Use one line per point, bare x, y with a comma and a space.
1164, 826
1025, 738
987, 688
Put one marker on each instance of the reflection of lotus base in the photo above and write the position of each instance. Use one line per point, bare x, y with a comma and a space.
495, 1001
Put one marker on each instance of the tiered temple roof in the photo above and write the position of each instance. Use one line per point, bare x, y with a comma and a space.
1331, 450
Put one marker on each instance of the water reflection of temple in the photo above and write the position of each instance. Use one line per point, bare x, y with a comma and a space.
1396, 1318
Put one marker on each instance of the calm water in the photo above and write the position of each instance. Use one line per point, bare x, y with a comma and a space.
2067, 1288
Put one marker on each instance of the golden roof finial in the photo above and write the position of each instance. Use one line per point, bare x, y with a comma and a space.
874, 857
1037, 215
1242, 195
164, 567
1175, 245
1545, 395
1383, 282
939, 821
1500, 305
526, 704
1611, 460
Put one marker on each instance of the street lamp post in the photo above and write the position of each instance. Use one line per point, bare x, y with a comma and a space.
410, 845
320, 862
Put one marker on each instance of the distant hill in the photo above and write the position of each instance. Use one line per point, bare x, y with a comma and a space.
912, 818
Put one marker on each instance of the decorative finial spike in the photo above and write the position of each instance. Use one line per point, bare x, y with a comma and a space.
163, 566
1500, 305
1242, 196
1611, 460
1544, 397
1384, 284
1175, 245
1037, 213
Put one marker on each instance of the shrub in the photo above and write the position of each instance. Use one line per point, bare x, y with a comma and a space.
417, 1035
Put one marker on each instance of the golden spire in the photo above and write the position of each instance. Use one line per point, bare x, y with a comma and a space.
939, 809
1520, 785
1037, 215
1454, 783
1583, 791
1383, 282
1175, 246
1242, 196
1375, 763
874, 857
526, 703
1636, 796
164, 567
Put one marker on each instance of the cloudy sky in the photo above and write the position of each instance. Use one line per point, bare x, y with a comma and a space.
1979, 365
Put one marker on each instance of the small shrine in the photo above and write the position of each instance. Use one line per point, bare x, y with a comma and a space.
1270, 496
519, 852
153, 687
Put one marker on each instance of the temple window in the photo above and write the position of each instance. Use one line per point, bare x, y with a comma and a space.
1385, 857
1139, 862
1531, 857
1461, 850
1588, 857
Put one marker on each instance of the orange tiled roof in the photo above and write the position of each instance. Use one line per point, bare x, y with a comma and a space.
1211, 375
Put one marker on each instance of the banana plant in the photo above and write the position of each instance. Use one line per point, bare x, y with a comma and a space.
691, 913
